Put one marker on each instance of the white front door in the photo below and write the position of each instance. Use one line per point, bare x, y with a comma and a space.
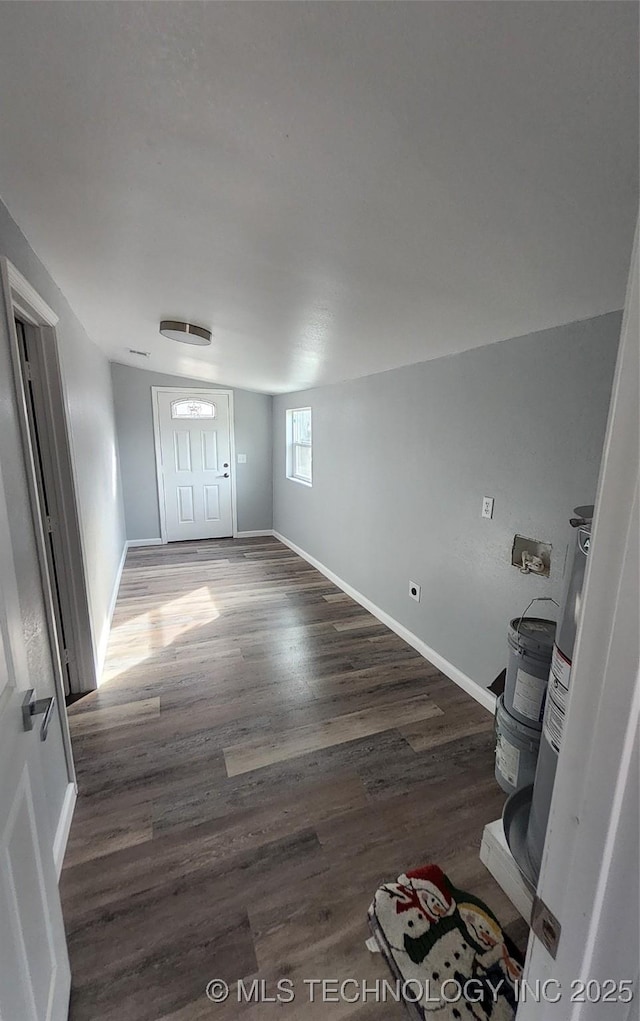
194, 437
34, 966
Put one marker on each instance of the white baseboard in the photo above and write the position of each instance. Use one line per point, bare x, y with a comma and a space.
101, 651
134, 543
64, 826
480, 694
497, 858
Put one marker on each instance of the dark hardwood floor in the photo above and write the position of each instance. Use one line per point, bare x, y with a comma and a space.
262, 753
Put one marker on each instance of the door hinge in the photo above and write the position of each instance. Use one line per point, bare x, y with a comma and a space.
545, 926
49, 524
28, 371
65, 657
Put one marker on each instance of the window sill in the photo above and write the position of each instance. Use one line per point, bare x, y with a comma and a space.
301, 482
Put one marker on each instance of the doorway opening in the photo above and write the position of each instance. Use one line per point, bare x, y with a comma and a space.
51, 482
43, 464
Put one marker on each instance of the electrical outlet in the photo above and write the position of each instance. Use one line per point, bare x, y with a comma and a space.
242, 458
487, 506
414, 591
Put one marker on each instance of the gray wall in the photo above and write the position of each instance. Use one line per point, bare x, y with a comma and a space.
89, 404
401, 461
134, 420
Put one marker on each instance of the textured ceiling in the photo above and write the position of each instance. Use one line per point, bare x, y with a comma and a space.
333, 188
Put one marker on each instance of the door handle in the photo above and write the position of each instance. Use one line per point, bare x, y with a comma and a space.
32, 706
225, 476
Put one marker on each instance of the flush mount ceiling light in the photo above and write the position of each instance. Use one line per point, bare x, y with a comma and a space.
185, 333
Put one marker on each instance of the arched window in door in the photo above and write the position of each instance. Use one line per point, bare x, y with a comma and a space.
193, 408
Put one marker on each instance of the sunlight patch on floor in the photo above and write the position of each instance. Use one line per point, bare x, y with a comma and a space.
141, 637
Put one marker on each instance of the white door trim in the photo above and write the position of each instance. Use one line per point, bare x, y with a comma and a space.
26, 299
64, 826
200, 392
21, 298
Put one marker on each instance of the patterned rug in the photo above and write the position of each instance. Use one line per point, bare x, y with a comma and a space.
445, 948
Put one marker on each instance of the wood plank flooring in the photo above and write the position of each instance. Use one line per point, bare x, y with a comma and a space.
261, 755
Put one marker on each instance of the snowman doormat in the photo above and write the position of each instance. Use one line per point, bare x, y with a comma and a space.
446, 950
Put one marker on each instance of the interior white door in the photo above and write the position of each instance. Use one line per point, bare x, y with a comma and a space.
34, 966
195, 454
589, 877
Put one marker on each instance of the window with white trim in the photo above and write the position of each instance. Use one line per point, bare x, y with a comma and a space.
299, 445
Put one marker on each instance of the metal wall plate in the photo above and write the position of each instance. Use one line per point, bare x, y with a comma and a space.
531, 548
545, 926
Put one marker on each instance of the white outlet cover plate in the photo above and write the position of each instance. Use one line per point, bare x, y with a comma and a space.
487, 506
242, 458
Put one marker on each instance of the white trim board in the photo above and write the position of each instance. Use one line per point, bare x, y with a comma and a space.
106, 627
64, 827
497, 858
37, 309
480, 694
252, 534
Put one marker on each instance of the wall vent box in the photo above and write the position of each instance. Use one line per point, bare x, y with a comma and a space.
523, 546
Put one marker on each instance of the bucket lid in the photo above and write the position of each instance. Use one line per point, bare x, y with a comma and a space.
533, 633
583, 516
585, 512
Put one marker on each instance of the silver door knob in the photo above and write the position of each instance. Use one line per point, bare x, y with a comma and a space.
32, 706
